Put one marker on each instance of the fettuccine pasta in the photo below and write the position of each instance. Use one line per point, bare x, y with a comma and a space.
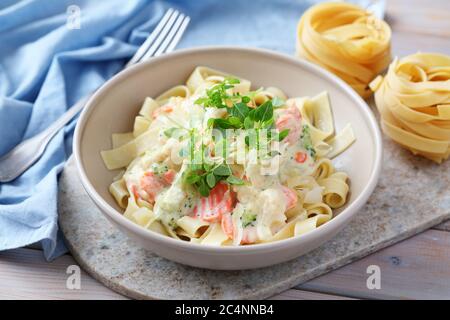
414, 102
273, 179
346, 40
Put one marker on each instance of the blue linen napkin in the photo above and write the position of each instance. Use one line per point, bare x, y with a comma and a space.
45, 67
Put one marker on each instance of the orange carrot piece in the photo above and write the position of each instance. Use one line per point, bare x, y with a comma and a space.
164, 109
290, 119
135, 191
249, 235
291, 197
227, 225
169, 176
301, 157
151, 185
219, 201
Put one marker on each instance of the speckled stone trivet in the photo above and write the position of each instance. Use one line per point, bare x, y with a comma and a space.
413, 194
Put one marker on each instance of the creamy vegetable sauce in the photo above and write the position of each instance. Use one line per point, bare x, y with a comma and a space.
267, 196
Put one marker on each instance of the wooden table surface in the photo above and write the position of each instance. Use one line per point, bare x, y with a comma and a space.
417, 268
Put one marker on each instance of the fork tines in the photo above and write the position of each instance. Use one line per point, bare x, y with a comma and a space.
164, 37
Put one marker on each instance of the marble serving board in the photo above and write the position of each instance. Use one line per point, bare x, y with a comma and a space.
413, 194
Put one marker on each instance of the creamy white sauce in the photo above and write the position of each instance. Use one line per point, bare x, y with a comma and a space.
264, 196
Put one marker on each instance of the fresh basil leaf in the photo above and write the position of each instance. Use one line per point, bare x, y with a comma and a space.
222, 170
235, 180
234, 121
283, 134
219, 178
232, 80
240, 110
192, 178
217, 95
222, 123
211, 180
201, 101
210, 122
268, 123
252, 114
203, 188
248, 123
246, 99
264, 112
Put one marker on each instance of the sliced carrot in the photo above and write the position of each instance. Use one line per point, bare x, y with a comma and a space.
227, 225
164, 109
169, 176
301, 157
290, 119
167, 109
151, 185
291, 197
295, 112
249, 235
219, 201
135, 191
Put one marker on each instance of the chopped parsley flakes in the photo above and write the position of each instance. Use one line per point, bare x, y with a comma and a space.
307, 142
248, 219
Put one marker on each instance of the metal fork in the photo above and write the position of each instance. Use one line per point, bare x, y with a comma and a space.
163, 39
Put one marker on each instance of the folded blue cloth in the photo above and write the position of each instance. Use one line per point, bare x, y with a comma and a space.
45, 67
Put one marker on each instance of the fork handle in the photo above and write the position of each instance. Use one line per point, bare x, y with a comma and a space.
21, 157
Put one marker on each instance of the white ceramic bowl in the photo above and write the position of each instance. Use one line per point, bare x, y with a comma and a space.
113, 108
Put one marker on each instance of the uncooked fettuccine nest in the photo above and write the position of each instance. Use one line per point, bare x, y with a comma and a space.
346, 40
414, 102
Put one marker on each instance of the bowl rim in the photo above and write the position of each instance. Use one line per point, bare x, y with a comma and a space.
320, 232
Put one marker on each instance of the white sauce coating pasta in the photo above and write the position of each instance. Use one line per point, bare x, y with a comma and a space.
288, 192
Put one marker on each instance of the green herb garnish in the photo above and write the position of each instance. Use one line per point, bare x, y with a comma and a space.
159, 168
205, 178
307, 142
235, 180
263, 113
222, 170
173, 224
283, 134
170, 132
205, 175
240, 115
217, 96
248, 219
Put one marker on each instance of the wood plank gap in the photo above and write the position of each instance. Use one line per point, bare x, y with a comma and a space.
409, 270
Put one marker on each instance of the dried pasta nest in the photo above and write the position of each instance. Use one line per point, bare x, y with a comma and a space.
414, 102
346, 40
